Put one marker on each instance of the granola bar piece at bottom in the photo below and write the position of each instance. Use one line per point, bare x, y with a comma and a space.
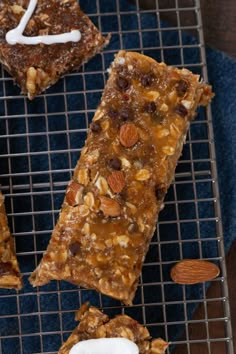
94, 324
9, 270
111, 206
36, 67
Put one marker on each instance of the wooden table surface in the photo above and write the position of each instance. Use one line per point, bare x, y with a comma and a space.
219, 20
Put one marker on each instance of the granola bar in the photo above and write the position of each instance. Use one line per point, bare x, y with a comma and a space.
94, 324
9, 270
111, 206
36, 67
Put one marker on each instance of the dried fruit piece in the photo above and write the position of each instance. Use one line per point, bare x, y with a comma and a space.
114, 163
181, 88
74, 248
146, 80
74, 193
110, 207
126, 114
122, 83
193, 271
116, 181
95, 127
150, 107
181, 110
128, 135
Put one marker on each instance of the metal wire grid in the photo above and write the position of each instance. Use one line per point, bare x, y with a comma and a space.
40, 144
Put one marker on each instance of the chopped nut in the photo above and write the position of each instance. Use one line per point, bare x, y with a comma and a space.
92, 157
128, 135
98, 272
102, 185
17, 9
89, 200
110, 207
121, 240
142, 175
152, 95
168, 150
109, 243
162, 132
174, 131
83, 176
98, 115
125, 163
164, 107
172, 97
140, 224
116, 181
187, 104
105, 125
74, 193
85, 229
83, 210
100, 246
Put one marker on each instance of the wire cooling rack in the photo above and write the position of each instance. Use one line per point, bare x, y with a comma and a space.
40, 143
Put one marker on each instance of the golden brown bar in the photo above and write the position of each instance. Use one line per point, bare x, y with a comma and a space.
94, 324
9, 270
36, 67
111, 206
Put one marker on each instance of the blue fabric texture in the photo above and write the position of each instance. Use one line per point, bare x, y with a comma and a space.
222, 73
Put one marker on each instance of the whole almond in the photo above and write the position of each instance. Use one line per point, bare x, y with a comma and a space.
193, 271
128, 135
109, 207
74, 193
116, 181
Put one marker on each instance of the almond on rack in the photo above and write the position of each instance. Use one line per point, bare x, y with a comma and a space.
194, 271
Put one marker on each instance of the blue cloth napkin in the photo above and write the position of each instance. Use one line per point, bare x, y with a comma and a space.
222, 73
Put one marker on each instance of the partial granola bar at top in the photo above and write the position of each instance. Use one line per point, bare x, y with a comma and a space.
94, 324
9, 271
111, 206
36, 67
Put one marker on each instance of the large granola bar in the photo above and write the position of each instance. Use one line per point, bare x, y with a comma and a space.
36, 67
9, 270
94, 324
111, 206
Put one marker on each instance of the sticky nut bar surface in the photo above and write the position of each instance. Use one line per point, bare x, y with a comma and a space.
9, 270
94, 324
111, 206
36, 67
